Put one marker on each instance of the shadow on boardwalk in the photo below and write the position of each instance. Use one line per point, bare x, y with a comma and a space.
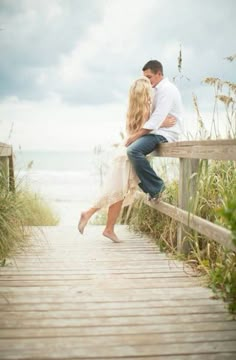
74, 297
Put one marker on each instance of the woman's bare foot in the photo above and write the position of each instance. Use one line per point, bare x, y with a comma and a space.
82, 222
111, 235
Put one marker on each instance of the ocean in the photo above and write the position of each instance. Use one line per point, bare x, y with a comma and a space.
68, 181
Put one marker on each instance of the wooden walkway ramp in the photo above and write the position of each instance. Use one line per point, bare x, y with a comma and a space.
74, 297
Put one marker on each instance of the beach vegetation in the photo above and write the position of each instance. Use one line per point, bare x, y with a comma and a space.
21, 213
214, 201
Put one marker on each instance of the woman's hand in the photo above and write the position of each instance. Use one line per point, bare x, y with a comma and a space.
169, 121
136, 136
131, 139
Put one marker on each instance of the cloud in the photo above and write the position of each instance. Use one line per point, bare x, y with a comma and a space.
89, 52
101, 66
35, 35
59, 58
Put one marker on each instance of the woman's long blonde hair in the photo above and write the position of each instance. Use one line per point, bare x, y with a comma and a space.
139, 105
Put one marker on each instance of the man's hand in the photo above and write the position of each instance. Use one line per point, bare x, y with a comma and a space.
169, 121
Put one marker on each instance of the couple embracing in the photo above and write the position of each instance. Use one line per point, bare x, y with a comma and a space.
154, 116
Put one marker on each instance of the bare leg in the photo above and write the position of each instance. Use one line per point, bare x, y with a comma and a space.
113, 213
84, 218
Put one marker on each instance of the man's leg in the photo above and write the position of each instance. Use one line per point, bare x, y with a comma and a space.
150, 182
113, 213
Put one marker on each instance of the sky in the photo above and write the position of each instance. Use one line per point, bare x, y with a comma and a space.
66, 65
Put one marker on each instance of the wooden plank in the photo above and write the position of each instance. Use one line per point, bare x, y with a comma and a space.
118, 340
208, 356
120, 287
208, 149
89, 265
213, 356
66, 332
91, 305
23, 322
81, 297
119, 283
105, 271
205, 227
210, 142
101, 352
19, 277
112, 312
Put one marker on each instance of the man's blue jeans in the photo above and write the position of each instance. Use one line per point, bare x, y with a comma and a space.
150, 182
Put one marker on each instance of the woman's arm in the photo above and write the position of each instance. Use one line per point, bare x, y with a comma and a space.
168, 122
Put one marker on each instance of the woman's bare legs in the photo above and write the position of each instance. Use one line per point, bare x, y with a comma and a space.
113, 213
84, 218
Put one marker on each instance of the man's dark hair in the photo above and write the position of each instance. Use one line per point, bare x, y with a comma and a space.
154, 66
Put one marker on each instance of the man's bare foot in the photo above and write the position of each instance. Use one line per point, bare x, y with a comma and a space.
112, 236
82, 222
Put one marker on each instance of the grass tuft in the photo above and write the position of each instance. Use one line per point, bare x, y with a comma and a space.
19, 211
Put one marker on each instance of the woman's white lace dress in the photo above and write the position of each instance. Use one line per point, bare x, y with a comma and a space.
120, 183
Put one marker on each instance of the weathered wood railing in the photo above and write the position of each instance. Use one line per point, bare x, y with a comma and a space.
189, 153
7, 165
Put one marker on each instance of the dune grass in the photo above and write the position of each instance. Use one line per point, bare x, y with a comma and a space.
20, 211
215, 200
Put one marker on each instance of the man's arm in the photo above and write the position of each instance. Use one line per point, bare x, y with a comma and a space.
162, 109
168, 122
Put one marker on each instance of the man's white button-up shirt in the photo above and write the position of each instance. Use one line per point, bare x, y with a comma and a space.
166, 101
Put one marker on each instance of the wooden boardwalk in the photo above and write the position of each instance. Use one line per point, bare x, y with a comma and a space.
74, 297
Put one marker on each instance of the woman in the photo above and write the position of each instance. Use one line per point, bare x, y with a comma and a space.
121, 181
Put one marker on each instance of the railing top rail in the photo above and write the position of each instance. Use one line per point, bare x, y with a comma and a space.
204, 142
4, 145
224, 149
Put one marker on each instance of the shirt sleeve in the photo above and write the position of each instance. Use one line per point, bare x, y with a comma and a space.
163, 108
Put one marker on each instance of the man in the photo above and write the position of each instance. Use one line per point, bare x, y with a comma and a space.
166, 101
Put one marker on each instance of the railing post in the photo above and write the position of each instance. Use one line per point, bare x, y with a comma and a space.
187, 189
7, 167
11, 172
4, 169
